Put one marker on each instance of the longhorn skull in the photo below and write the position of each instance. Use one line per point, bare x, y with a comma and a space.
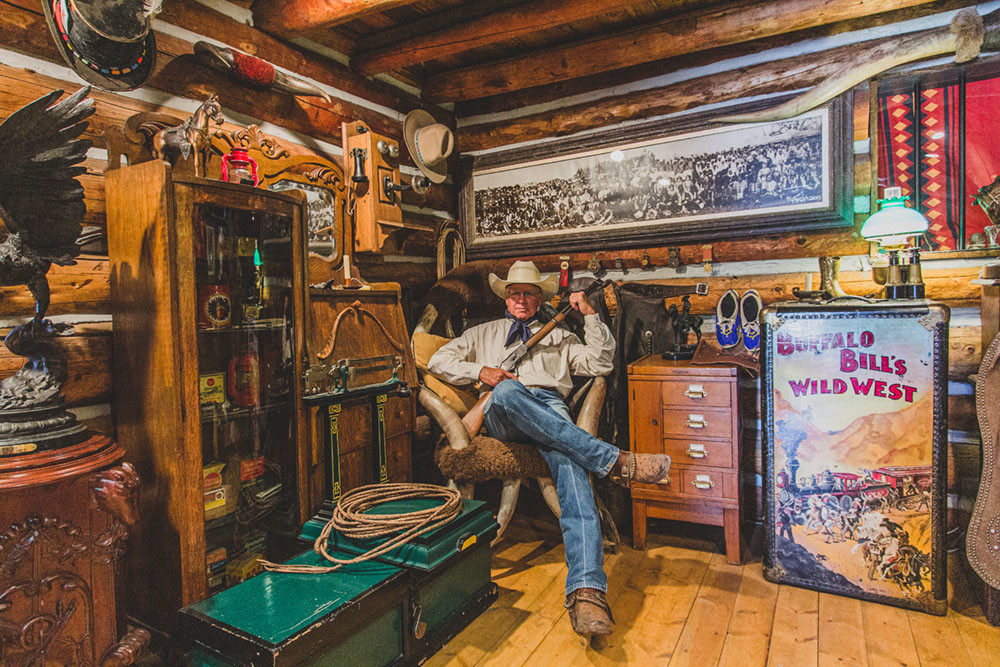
966, 37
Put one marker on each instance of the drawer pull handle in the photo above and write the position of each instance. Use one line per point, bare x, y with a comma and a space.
695, 391
696, 421
696, 451
665, 481
702, 482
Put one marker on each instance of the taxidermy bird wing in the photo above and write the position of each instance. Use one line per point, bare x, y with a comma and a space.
40, 197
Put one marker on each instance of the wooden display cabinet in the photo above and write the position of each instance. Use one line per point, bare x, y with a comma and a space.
691, 413
207, 289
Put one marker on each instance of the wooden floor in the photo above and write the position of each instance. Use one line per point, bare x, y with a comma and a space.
679, 603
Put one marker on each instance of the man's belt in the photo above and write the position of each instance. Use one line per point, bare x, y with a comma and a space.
652, 290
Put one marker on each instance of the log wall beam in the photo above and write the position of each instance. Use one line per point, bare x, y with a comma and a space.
773, 77
482, 31
598, 85
291, 18
666, 39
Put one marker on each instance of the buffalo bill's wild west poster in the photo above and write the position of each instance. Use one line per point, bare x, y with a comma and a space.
854, 429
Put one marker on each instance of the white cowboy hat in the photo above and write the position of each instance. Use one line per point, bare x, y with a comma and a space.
429, 142
525, 273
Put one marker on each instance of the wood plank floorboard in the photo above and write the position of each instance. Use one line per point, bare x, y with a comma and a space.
679, 603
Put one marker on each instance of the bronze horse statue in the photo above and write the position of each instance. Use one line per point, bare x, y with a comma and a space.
190, 137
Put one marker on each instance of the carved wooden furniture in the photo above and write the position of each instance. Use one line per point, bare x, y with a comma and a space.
208, 296
328, 222
362, 428
66, 517
691, 413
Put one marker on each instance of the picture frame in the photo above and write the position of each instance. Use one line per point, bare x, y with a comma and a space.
679, 180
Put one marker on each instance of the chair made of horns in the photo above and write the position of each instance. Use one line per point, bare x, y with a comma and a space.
465, 460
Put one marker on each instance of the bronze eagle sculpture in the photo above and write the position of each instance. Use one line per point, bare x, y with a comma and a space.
42, 209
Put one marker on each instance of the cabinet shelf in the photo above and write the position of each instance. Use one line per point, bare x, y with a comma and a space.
209, 415
275, 324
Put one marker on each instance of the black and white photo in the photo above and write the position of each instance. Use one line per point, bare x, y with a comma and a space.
702, 182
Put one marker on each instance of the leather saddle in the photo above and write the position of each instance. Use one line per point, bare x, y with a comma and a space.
983, 541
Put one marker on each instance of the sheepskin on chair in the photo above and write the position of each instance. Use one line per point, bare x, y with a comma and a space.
487, 458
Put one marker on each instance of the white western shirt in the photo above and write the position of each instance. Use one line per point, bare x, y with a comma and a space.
548, 364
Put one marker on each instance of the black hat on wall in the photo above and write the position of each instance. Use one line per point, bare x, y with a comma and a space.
107, 42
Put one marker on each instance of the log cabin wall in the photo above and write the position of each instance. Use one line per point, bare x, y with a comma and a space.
771, 264
30, 66
488, 121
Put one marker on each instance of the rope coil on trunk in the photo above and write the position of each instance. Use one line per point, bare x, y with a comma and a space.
349, 519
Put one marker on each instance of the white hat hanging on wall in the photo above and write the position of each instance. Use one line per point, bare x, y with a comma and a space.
430, 143
108, 43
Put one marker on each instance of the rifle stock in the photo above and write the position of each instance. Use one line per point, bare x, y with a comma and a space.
473, 419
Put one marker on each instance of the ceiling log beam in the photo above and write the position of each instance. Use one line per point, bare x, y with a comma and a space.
595, 84
666, 39
772, 77
292, 18
500, 26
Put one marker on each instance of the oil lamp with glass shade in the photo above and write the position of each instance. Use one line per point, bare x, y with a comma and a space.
891, 227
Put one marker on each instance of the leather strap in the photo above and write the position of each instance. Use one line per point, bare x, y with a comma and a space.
625, 472
983, 541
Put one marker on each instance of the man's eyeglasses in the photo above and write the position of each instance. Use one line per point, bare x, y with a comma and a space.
523, 296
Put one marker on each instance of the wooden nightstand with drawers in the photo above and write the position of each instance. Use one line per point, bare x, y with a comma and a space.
691, 413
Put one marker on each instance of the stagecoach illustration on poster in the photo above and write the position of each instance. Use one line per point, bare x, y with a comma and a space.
854, 427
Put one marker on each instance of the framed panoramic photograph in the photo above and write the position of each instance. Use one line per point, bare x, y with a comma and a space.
690, 179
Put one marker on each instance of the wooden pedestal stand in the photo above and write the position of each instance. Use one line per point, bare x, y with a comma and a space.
67, 514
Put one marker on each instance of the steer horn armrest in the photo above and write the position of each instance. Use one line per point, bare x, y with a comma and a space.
590, 411
446, 417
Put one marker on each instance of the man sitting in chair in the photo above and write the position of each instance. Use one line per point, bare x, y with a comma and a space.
528, 406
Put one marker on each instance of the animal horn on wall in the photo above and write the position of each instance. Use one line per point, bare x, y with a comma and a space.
967, 35
254, 71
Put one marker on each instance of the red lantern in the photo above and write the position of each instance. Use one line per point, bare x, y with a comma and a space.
239, 167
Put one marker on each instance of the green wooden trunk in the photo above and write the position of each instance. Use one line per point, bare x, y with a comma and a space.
449, 566
375, 613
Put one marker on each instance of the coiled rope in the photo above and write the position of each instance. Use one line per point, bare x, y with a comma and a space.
349, 519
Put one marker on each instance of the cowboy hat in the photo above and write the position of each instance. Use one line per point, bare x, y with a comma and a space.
107, 42
429, 142
524, 273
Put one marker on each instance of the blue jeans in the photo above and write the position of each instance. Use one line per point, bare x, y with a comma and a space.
539, 416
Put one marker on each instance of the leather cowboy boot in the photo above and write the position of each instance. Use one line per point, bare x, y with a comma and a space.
643, 468
589, 613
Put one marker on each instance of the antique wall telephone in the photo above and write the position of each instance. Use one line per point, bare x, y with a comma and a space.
373, 162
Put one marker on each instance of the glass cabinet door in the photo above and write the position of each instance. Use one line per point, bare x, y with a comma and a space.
244, 318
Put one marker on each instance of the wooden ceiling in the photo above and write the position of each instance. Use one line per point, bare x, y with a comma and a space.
466, 52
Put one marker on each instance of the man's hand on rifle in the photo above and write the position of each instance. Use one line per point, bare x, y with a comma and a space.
579, 302
494, 376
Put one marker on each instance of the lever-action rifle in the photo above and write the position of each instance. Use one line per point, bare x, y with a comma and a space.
473, 419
